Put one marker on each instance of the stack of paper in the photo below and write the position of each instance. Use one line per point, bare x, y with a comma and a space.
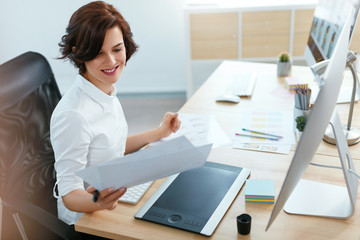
259, 191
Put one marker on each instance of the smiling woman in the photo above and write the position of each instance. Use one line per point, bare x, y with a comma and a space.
86, 32
105, 69
88, 125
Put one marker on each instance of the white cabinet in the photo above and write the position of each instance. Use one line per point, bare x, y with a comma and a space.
265, 33
243, 32
214, 35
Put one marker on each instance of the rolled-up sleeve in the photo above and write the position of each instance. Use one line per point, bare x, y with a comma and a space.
70, 138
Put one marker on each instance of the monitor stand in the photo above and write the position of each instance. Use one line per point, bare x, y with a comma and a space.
326, 200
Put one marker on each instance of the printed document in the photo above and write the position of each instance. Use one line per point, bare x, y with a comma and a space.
273, 122
200, 129
165, 159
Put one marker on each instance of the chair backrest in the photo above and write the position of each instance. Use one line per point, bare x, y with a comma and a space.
28, 96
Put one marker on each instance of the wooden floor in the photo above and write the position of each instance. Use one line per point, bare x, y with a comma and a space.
146, 112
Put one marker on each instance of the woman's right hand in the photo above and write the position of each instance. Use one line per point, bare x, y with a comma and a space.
108, 197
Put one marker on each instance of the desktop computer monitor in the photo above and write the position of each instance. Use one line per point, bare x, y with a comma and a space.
315, 127
329, 18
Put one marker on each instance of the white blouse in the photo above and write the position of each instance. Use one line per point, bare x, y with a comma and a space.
87, 127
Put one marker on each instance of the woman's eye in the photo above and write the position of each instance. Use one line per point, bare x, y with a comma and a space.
117, 49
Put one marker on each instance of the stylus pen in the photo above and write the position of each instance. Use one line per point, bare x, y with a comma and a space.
95, 196
262, 133
262, 137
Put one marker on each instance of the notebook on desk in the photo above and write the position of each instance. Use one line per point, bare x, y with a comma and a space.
195, 200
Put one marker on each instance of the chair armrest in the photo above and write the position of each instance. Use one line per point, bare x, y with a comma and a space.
42, 217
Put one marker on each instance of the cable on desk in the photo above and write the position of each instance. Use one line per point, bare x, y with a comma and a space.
327, 166
353, 172
336, 167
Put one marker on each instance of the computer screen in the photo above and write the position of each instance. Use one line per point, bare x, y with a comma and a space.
329, 18
317, 122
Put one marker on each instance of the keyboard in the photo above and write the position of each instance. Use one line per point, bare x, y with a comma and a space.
135, 193
242, 84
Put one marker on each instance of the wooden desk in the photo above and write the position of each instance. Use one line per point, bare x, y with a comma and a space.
120, 223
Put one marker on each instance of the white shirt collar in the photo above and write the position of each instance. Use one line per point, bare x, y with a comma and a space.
94, 92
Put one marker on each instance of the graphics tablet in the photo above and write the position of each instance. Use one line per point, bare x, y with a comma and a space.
195, 200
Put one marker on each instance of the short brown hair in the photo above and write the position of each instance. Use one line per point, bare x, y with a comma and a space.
86, 32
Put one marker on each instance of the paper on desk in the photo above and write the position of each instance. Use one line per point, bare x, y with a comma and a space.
153, 163
274, 122
200, 129
272, 148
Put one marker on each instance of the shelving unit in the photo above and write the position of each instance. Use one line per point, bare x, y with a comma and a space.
249, 31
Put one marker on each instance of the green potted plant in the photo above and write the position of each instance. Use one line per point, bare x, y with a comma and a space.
284, 64
300, 123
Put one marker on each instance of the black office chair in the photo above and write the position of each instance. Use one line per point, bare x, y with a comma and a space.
28, 96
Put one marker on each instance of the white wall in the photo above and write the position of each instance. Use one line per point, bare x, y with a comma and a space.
157, 25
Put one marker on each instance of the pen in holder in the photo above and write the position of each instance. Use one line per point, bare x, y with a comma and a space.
302, 109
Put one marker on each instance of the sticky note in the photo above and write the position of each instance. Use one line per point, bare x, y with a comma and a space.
259, 190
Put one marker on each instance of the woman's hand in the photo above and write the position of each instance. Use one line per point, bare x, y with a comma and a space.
170, 124
107, 198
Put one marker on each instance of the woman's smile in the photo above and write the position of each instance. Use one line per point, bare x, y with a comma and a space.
110, 72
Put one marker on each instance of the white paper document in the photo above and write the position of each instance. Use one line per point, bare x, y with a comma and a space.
200, 129
273, 122
165, 159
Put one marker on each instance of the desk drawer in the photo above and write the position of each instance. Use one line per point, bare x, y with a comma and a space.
303, 20
300, 41
302, 26
214, 35
269, 22
264, 45
265, 34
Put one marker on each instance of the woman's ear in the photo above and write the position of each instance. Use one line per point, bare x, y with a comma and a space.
73, 49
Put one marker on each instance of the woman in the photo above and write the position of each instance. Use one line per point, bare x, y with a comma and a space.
88, 125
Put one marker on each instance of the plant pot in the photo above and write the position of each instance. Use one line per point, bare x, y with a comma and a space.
298, 135
300, 112
297, 113
283, 68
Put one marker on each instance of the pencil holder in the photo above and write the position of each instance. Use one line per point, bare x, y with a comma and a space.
300, 118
